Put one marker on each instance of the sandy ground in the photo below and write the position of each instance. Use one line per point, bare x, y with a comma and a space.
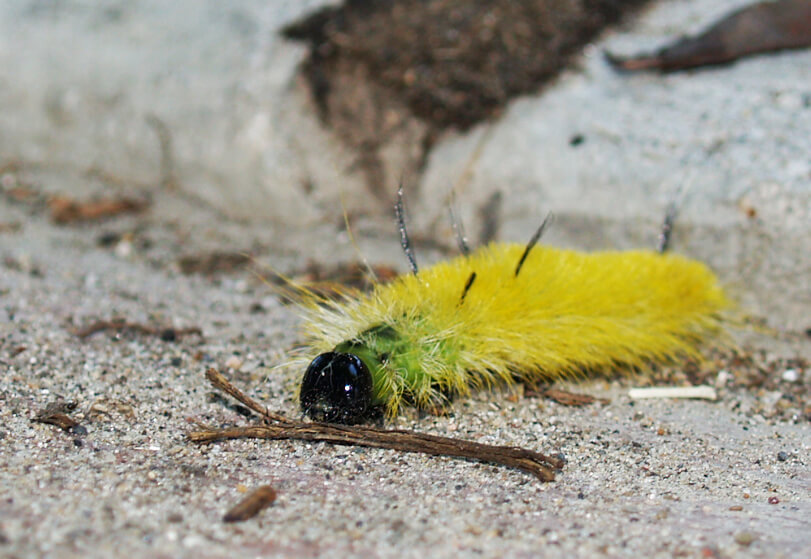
654, 478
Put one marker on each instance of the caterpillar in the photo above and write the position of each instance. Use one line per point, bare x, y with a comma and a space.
502, 313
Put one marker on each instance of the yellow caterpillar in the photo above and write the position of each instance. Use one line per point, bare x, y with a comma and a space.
501, 313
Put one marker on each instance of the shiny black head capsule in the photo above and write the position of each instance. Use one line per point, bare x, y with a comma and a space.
337, 388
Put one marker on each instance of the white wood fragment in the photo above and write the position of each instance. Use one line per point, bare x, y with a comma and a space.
704, 392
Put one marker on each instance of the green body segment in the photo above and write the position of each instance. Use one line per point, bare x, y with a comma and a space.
397, 364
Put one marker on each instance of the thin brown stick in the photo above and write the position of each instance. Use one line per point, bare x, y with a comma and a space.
66, 210
220, 382
538, 464
406, 441
754, 29
56, 413
564, 397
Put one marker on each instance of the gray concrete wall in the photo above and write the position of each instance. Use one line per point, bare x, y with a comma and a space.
87, 89
84, 82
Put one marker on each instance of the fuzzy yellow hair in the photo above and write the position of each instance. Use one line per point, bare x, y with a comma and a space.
482, 318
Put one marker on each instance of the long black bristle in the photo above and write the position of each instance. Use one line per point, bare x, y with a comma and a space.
468, 284
667, 228
532, 242
459, 230
404, 241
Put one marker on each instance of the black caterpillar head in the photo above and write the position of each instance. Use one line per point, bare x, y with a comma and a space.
337, 388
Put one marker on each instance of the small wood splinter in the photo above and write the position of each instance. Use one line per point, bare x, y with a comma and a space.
279, 427
250, 506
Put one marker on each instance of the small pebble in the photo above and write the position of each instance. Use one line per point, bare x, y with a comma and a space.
108, 238
782, 456
79, 430
744, 538
773, 500
709, 552
791, 375
233, 362
124, 249
168, 335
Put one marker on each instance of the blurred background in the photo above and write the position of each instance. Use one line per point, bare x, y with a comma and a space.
253, 125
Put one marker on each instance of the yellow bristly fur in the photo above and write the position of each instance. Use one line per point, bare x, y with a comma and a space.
566, 313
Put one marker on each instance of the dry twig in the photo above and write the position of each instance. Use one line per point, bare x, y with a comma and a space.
281, 427
754, 29
56, 413
564, 397
66, 210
